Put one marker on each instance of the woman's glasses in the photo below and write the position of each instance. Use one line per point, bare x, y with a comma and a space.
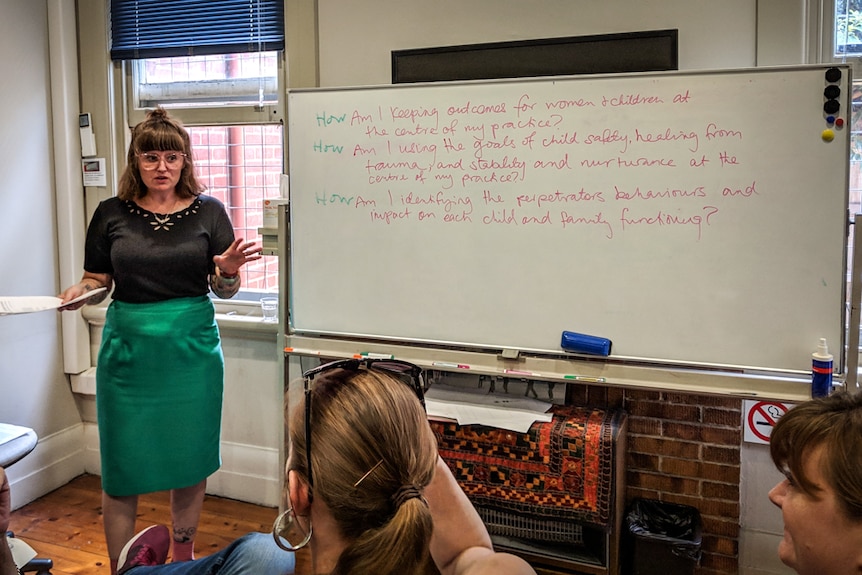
151, 160
405, 372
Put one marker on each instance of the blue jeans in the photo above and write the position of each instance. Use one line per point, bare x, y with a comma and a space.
253, 554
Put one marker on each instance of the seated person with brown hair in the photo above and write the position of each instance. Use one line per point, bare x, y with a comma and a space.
368, 492
818, 447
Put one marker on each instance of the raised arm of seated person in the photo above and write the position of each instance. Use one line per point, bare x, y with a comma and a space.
460, 544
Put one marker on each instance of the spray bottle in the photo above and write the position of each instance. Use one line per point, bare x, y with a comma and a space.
821, 370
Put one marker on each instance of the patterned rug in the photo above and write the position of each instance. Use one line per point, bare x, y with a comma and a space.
542, 484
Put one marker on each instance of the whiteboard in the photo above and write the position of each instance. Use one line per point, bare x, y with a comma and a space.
690, 217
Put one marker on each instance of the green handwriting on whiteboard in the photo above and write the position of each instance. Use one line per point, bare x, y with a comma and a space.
324, 119
319, 146
333, 199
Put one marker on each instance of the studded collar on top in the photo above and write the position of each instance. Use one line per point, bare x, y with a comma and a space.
163, 221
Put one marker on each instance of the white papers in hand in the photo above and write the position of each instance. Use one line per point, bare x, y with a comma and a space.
478, 407
30, 304
8, 432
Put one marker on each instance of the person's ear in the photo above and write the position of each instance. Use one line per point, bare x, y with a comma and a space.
300, 497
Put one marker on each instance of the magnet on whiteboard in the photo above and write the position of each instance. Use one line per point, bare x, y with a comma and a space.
833, 74
827, 135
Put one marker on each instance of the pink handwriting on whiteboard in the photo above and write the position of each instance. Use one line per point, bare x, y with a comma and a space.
602, 166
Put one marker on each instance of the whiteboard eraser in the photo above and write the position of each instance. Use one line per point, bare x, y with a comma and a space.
582, 343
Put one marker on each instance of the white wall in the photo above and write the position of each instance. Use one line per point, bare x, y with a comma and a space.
252, 417
761, 521
356, 38
34, 392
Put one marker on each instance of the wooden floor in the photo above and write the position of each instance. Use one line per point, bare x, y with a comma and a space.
66, 525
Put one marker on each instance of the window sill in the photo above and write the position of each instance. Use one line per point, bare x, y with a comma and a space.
233, 316
249, 322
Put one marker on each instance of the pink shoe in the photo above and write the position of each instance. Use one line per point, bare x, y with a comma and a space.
148, 547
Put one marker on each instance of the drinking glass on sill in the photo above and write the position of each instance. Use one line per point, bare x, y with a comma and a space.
269, 308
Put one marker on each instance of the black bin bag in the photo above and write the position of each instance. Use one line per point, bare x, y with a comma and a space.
661, 538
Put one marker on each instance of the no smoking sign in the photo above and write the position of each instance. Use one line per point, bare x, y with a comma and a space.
760, 418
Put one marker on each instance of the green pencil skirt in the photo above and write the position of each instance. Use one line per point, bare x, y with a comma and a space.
159, 387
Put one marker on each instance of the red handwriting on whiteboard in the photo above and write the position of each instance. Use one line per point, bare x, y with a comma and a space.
529, 162
559, 197
662, 218
598, 219
630, 100
449, 202
668, 135
414, 114
650, 194
713, 132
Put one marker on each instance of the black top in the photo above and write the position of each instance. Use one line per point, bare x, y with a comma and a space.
155, 257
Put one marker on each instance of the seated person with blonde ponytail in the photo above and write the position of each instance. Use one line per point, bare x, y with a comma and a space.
376, 497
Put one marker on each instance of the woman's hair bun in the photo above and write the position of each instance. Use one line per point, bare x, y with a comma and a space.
158, 113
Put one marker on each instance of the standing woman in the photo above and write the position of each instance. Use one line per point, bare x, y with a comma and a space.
161, 245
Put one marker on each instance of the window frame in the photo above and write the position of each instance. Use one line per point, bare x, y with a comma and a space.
191, 116
139, 28
829, 40
827, 54
252, 112
300, 56
210, 115
824, 39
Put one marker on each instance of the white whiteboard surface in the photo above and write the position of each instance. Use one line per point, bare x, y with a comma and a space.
694, 217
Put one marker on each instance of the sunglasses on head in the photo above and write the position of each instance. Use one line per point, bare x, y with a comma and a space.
403, 371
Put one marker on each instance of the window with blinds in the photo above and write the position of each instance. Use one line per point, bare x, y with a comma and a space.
154, 28
208, 61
